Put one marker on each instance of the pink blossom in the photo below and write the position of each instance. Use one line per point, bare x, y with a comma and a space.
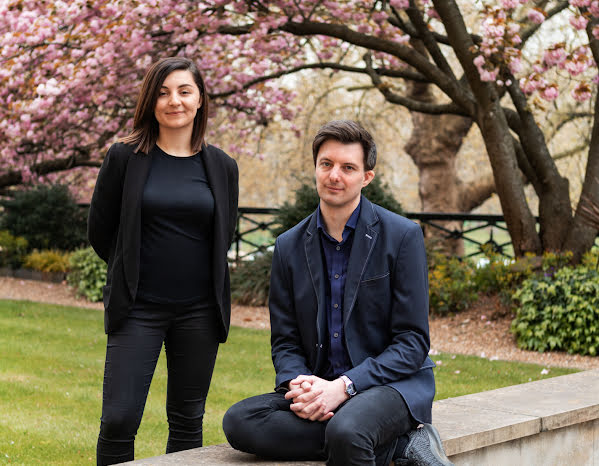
579, 3
509, 4
515, 65
578, 22
555, 56
479, 61
401, 4
550, 92
581, 92
432, 13
536, 15
486, 75
594, 8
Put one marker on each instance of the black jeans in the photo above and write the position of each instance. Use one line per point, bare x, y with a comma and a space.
190, 336
363, 431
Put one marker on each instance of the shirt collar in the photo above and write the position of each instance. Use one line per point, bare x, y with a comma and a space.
352, 222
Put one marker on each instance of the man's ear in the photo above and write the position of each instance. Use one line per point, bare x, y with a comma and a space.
368, 177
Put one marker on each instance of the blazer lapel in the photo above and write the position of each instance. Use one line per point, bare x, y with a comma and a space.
316, 270
217, 180
365, 238
138, 169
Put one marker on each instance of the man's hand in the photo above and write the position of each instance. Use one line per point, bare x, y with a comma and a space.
314, 398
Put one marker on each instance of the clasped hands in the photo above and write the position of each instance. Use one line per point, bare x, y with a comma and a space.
314, 398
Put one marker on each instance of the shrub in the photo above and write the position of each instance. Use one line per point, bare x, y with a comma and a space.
250, 280
306, 201
47, 261
503, 275
451, 286
559, 311
47, 216
88, 273
12, 249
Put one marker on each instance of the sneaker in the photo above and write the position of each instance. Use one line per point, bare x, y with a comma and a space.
425, 448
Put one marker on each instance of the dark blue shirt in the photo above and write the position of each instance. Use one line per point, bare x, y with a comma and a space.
336, 258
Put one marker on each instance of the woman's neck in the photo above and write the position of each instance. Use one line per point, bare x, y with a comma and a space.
175, 143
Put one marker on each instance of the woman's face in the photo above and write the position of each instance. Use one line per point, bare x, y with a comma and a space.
178, 101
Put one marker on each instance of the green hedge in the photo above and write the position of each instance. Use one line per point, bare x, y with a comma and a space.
559, 311
12, 249
47, 216
88, 273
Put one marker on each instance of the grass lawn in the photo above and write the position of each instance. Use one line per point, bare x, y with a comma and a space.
51, 378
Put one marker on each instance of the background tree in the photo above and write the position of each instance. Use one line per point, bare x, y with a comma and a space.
70, 72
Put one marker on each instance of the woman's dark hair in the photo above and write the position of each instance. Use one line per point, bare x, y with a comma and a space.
346, 132
145, 125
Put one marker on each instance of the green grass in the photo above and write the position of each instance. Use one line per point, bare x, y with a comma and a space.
51, 378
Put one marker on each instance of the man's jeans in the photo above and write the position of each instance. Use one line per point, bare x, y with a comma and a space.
363, 431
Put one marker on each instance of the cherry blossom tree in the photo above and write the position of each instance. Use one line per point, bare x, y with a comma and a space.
70, 72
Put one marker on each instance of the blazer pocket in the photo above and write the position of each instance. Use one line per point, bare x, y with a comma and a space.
373, 281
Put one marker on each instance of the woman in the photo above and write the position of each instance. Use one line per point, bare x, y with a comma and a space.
163, 217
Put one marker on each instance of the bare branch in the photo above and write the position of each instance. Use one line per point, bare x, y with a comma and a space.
410, 104
451, 88
394, 73
429, 41
533, 28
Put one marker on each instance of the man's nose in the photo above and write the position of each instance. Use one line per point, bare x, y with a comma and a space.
334, 173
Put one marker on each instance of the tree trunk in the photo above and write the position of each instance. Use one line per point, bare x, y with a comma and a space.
582, 235
433, 146
496, 133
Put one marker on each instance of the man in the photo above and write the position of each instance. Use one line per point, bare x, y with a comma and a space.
349, 328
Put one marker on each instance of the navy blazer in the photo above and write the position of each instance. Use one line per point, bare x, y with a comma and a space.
114, 226
385, 315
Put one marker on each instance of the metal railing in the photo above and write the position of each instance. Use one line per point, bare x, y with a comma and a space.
255, 226
255, 230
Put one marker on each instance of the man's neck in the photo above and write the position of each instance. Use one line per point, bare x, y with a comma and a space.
335, 218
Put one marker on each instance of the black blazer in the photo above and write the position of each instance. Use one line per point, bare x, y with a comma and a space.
114, 226
385, 315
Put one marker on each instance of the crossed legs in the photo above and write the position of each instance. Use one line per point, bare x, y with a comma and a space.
363, 430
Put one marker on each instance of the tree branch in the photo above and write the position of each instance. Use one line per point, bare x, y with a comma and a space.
451, 88
532, 29
410, 104
429, 40
393, 73
14, 177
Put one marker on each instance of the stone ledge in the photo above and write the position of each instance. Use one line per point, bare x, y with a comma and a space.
221, 454
545, 422
482, 419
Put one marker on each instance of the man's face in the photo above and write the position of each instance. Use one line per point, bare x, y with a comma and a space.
340, 174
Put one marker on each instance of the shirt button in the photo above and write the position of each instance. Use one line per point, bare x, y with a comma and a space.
336, 335
335, 306
337, 248
336, 275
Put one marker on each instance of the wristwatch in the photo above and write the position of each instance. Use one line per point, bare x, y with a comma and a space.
350, 388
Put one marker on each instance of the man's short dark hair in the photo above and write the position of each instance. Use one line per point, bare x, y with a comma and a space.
346, 132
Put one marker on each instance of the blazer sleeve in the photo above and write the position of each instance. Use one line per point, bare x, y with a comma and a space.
233, 198
105, 206
288, 355
410, 341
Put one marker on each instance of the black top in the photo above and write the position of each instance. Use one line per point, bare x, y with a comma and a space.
176, 231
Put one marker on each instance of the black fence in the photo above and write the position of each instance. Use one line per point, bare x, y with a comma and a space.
255, 225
